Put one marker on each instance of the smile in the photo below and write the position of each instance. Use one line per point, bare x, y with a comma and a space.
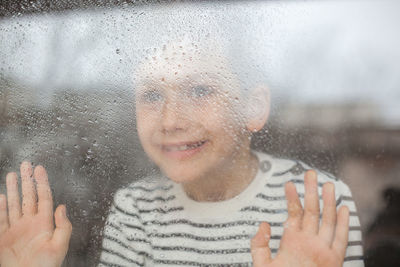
171, 148
183, 151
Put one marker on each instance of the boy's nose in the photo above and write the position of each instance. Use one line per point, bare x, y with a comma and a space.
172, 117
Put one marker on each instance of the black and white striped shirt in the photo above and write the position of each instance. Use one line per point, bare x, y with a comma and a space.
153, 222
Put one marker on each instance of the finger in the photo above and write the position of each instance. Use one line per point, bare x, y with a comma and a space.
295, 210
3, 214
328, 224
14, 206
63, 230
310, 222
342, 231
260, 251
45, 199
28, 190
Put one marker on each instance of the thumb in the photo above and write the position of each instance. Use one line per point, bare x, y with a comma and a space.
260, 251
63, 230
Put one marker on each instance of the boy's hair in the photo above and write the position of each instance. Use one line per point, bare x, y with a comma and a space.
205, 26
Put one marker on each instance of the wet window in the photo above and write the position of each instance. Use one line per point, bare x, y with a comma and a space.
170, 129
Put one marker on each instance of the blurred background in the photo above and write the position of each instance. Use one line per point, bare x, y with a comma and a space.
67, 102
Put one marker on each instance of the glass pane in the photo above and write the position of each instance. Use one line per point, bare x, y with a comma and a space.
170, 129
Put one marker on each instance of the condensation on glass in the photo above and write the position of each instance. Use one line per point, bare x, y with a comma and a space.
72, 83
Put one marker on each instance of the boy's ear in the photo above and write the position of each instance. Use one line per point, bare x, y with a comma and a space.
258, 108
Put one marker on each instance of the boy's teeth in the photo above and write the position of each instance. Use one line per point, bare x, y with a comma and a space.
184, 147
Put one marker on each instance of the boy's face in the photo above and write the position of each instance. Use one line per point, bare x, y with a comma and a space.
187, 111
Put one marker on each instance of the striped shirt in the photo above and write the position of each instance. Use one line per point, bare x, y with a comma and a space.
153, 222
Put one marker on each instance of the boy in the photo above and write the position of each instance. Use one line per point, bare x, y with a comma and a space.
214, 190
205, 209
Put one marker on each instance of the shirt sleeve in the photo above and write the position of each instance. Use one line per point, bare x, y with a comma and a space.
125, 242
354, 252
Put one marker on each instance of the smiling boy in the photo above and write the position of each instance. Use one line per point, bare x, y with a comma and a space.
189, 122
195, 123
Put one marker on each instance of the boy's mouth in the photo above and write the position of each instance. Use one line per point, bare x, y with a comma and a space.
183, 147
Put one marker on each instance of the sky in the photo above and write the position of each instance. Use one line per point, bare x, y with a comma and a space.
313, 52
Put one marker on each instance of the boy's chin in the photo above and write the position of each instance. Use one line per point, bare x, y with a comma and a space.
180, 176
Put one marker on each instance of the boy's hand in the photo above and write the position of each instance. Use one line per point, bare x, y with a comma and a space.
304, 241
27, 235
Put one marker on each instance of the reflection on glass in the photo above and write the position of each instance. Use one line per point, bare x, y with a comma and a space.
230, 101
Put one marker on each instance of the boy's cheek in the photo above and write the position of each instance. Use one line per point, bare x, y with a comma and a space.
146, 121
144, 111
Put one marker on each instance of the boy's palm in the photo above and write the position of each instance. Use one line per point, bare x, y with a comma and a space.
299, 249
27, 235
304, 242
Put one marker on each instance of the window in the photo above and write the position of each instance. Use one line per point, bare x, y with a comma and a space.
73, 78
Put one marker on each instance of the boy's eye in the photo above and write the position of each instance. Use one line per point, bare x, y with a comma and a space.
200, 91
151, 96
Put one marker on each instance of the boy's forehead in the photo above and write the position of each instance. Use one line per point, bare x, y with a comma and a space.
180, 61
